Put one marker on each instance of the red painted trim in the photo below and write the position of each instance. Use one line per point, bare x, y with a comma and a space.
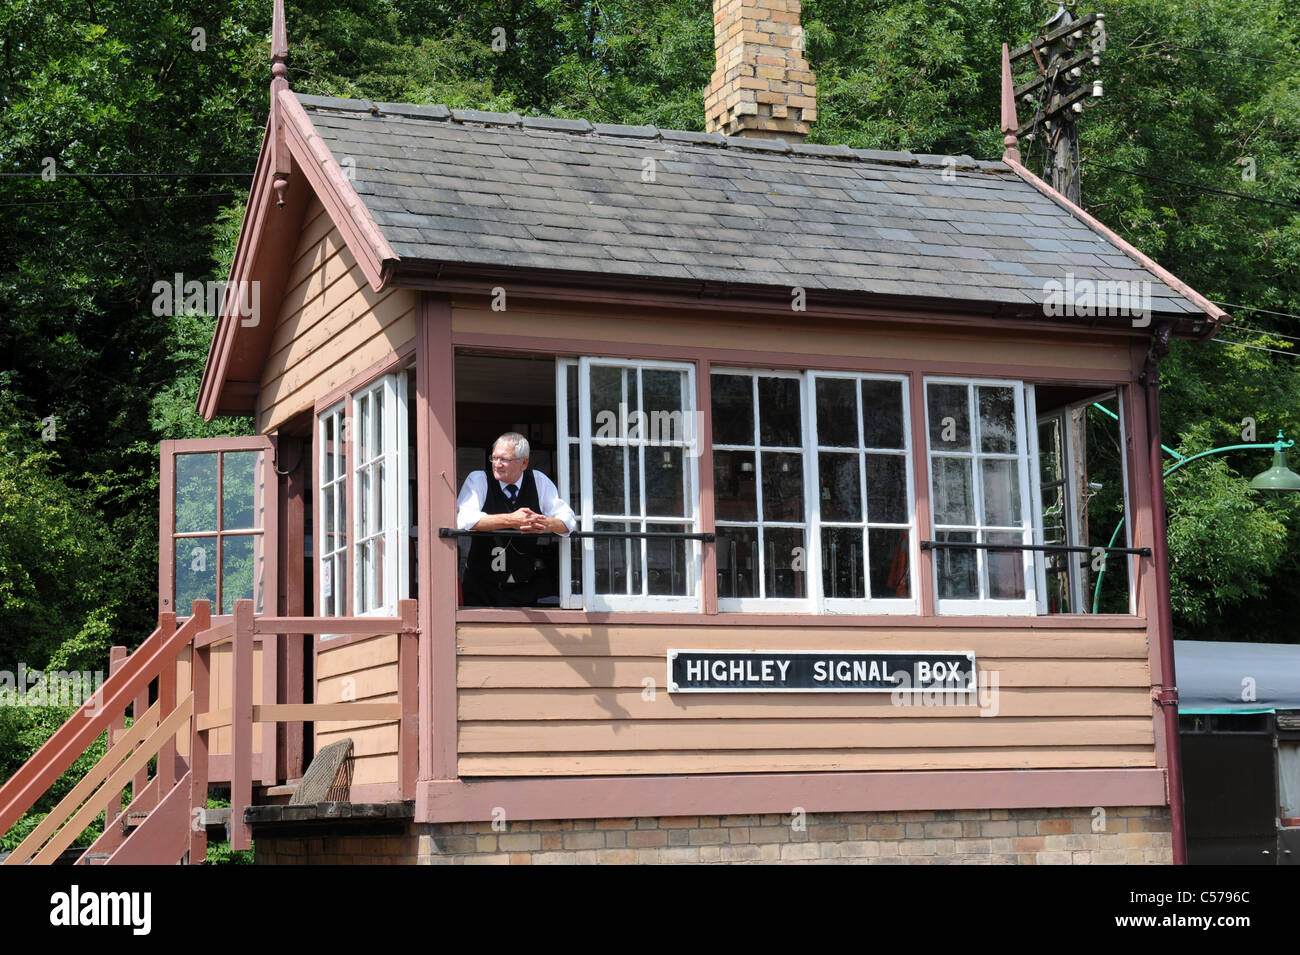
220, 766
250, 235
620, 292
1164, 630
347, 210
94, 717
271, 646
241, 732
794, 361
408, 696
436, 456
116, 658
605, 797
163, 837
166, 523
1214, 313
166, 771
398, 359
293, 596
201, 681
582, 618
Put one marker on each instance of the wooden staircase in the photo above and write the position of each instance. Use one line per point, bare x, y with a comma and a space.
167, 820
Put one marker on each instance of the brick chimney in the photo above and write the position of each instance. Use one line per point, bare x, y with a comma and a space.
762, 86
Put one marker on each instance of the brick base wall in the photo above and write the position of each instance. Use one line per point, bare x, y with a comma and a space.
1131, 835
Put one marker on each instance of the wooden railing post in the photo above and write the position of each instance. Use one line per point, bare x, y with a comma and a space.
116, 657
270, 695
201, 687
166, 771
408, 698
241, 725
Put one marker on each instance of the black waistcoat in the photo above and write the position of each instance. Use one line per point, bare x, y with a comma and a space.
520, 550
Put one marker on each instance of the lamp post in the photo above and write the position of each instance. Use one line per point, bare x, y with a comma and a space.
1277, 478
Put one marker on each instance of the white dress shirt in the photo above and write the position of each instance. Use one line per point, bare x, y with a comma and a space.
469, 504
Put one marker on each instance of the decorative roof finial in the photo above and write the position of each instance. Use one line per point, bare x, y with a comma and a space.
279, 83
1010, 124
279, 50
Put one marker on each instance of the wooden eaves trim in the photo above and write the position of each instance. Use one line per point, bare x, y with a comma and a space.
293, 127
1215, 314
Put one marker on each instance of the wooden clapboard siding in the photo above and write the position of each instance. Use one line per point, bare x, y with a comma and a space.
636, 704
1009, 354
364, 672
220, 696
661, 763
591, 699
331, 324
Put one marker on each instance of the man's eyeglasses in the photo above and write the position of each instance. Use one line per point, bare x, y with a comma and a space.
495, 459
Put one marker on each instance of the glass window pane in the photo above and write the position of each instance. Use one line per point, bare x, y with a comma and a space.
888, 552
661, 393
1001, 493
957, 568
615, 480
618, 560
782, 486
882, 414
779, 413
610, 408
196, 493
665, 482
240, 571
666, 570
362, 410
842, 564
377, 422
241, 491
954, 497
734, 496
737, 561
997, 420
785, 561
1006, 568
949, 417
196, 571
364, 498
887, 489
841, 492
327, 464
837, 412
1049, 450
1054, 515
733, 409
571, 398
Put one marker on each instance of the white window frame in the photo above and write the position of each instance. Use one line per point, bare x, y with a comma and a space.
393, 455
588, 599
984, 605
1069, 450
864, 605
765, 604
341, 484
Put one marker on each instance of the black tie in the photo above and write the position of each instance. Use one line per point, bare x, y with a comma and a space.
511, 493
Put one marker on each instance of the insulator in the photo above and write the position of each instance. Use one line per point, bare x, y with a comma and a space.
1076, 72
1096, 88
1077, 107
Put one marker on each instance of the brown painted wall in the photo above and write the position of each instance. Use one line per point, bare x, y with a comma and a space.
570, 700
364, 672
331, 324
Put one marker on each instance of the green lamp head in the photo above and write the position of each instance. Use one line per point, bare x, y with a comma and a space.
1279, 477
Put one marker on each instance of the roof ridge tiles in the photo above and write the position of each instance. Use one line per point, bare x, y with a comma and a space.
647, 133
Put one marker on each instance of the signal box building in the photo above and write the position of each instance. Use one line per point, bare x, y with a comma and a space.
822, 416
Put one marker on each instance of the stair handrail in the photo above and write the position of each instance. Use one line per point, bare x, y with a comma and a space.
158, 652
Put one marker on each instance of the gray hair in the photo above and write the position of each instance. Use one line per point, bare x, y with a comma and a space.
517, 442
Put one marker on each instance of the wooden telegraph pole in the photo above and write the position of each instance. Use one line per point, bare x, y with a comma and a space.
1059, 91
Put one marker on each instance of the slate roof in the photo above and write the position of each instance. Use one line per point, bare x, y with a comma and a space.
468, 187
